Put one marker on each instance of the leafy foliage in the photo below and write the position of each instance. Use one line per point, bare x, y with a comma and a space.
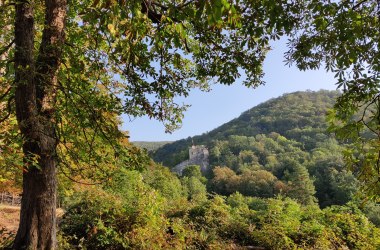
11, 163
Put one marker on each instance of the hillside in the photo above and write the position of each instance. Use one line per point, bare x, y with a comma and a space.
278, 147
298, 116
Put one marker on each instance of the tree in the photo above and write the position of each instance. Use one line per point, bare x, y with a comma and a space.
193, 171
67, 65
301, 187
334, 185
225, 181
196, 190
259, 183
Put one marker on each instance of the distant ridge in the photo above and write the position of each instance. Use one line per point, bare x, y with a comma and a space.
150, 145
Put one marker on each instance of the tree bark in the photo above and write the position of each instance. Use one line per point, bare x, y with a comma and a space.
35, 82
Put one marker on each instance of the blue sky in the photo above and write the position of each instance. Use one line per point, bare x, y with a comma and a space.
223, 103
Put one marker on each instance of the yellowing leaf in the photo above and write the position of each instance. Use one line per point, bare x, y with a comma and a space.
111, 28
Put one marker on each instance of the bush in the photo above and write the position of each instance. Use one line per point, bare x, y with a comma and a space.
352, 228
128, 216
96, 220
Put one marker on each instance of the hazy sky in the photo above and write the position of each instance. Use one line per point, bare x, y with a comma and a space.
223, 103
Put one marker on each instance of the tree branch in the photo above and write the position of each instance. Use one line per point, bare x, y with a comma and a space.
6, 48
9, 109
358, 4
147, 7
6, 93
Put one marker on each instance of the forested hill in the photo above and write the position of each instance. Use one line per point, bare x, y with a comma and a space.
298, 116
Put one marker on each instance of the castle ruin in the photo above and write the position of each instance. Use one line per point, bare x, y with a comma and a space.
198, 155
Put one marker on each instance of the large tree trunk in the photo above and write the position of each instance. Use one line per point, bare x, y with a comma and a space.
37, 229
36, 82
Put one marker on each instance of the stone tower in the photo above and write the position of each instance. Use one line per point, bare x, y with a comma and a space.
198, 155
